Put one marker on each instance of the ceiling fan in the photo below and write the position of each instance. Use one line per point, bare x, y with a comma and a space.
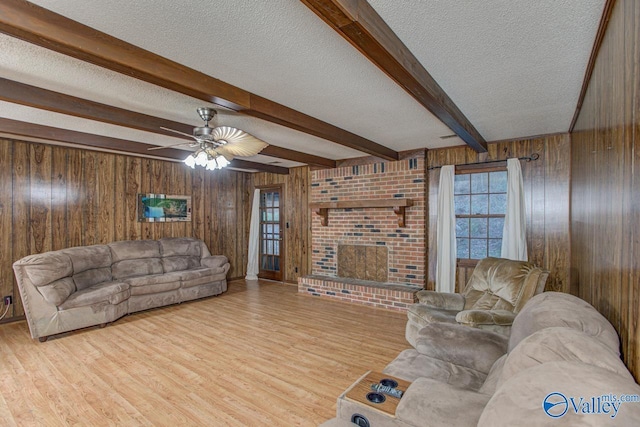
217, 146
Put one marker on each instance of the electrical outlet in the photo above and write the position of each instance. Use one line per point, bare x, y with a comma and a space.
8, 300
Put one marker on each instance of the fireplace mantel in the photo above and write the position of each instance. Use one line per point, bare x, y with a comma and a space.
398, 205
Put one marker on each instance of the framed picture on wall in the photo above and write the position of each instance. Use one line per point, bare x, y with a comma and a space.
163, 208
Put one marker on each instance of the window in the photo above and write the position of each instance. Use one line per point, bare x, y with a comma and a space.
480, 205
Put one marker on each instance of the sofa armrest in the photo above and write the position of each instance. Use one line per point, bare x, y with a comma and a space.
485, 317
441, 299
461, 345
214, 261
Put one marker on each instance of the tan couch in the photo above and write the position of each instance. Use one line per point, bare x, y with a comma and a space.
559, 344
495, 293
93, 285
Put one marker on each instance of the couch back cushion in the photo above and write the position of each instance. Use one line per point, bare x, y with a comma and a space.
503, 284
57, 292
519, 401
491, 382
45, 268
552, 309
561, 344
91, 265
180, 253
135, 258
50, 273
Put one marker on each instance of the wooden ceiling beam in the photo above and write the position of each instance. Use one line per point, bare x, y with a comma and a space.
358, 23
32, 96
34, 24
49, 133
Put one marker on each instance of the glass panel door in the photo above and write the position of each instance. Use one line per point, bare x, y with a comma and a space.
270, 234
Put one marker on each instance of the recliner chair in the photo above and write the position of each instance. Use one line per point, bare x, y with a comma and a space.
495, 293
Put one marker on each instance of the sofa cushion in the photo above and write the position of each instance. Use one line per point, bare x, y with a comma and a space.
57, 292
110, 293
179, 263
136, 267
433, 403
485, 317
523, 395
134, 249
214, 261
181, 246
199, 276
92, 277
443, 300
423, 315
86, 258
411, 365
180, 253
561, 344
491, 383
502, 284
551, 309
153, 284
460, 345
45, 268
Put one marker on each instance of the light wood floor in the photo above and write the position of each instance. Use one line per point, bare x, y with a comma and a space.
256, 355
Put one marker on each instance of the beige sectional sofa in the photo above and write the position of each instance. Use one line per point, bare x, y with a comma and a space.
560, 350
93, 285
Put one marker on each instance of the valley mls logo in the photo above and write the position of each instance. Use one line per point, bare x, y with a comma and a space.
555, 405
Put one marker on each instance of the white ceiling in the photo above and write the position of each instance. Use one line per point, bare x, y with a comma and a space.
513, 67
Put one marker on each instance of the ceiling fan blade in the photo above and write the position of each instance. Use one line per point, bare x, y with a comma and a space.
176, 131
238, 142
169, 146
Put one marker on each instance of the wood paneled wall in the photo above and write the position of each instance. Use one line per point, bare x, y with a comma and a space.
55, 197
605, 177
546, 186
297, 233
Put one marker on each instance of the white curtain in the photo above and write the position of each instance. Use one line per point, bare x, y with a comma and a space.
254, 238
446, 234
514, 242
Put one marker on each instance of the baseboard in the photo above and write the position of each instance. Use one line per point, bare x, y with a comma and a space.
13, 319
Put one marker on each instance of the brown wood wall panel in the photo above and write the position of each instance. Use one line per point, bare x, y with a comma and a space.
40, 186
297, 236
106, 200
197, 203
120, 198
57, 197
146, 179
59, 161
20, 227
546, 186
132, 188
90, 198
605, 183
74, 207
6, 215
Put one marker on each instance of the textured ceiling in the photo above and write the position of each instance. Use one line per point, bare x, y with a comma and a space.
513, 67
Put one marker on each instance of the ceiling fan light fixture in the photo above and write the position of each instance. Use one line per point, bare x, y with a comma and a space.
190, 161
217, 163
201, 158
206, 157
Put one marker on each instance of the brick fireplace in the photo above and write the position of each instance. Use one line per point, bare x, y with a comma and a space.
372, 219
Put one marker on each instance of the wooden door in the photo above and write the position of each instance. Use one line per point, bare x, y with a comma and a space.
271, 220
